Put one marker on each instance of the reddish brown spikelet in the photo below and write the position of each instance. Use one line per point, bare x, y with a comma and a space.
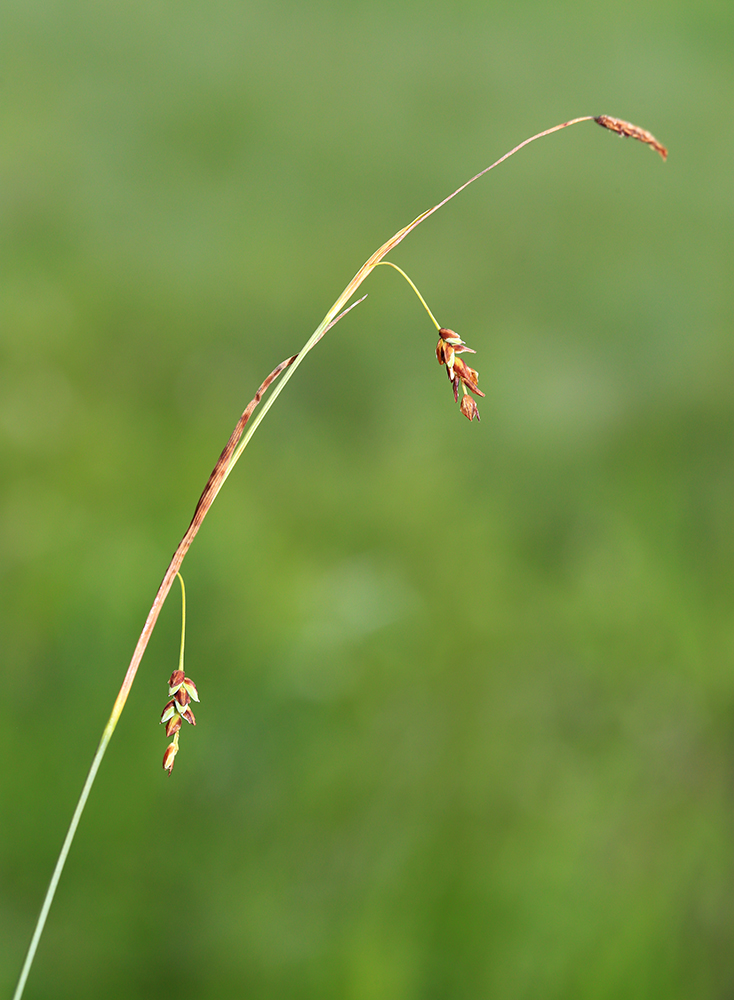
467, 375
175, 681
169, 757
627, 128
181, 698
191, 688
188, 715
169, 711
173, 725
469, 407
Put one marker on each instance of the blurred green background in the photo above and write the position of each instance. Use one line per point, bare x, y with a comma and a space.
467, 718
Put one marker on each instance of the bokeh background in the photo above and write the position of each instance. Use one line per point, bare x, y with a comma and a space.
467, 718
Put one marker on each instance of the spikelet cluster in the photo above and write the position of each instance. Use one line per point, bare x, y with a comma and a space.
449, 346
182, 692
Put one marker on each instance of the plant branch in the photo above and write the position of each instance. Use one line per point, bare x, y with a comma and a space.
229, 457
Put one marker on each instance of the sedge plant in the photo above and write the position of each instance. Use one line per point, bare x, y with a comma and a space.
464, 382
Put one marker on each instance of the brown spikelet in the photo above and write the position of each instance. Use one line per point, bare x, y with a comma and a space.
627, 128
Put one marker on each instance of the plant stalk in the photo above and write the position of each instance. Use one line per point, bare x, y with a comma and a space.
229, 457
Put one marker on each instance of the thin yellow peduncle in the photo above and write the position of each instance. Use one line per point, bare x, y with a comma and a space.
389, 263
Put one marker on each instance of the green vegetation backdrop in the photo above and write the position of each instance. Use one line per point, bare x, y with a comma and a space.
467, 717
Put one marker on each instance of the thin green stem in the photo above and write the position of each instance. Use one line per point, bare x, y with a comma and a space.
65, 848
389, 263
228, 459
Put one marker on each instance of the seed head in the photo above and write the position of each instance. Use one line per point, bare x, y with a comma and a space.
634, 131
177, 710
460, 374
